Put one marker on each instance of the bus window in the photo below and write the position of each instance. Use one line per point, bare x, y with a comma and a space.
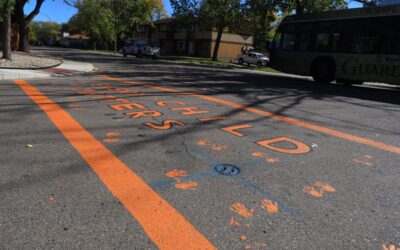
343, 43
322, 43
276, 44
288, 41
303, 37
289, 38
323, 38
366, 37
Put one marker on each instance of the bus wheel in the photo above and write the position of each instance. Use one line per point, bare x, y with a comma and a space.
323, 71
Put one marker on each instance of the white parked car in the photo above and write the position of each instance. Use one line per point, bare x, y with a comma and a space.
254, 58
140, 48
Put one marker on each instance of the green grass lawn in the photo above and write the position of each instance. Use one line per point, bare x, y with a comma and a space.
208, 61
265, 69
104, 52
197, 60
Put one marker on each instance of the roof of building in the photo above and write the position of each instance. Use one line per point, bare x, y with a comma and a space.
387, 10
78, 37
164, 20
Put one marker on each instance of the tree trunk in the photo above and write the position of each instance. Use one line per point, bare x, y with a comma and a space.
23, 38
217, 43
23, 22
19, 11
6, 30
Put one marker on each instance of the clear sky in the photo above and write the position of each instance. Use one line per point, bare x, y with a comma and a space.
58, 11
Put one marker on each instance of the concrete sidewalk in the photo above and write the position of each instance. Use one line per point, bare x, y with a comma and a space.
66, 68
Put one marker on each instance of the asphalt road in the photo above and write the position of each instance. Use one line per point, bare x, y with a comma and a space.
125, 157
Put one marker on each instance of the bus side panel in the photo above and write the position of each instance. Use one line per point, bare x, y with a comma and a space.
369, 68
285, 61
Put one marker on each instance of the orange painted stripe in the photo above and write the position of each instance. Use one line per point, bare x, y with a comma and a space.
328, 131
215, 118
162, 223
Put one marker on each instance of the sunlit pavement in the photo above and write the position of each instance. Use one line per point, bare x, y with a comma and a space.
127, 158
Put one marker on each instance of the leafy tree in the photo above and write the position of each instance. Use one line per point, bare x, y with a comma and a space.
159, 10
306, 6
209, 14
112, 20
45, 32
221, 14
262, 14
94, 19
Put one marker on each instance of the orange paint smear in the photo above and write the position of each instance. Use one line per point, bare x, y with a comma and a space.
313, 192
190, 185
289, 120
163, 224
219, 147
215, 118
113, 134
203, 142
390, 247
241, 210
234, 222
110, 140
176, 174
270, 206
262, 155
325, 187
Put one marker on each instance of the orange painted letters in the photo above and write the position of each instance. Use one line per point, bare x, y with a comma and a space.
232, 129
120, 107
301, 148
191, 111
145, 113
163, 104
167, 124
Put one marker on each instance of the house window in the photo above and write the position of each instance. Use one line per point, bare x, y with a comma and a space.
191, 28
162, 27
180, 45
180, 28
142, 29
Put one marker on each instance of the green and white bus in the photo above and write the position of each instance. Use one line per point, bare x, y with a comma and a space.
350, 46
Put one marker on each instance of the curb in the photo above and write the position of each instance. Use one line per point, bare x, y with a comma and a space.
36, 68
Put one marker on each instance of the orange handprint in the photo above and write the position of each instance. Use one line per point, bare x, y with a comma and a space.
241, 210
269, 206
176, 174
324, 186
191, 185
390, 247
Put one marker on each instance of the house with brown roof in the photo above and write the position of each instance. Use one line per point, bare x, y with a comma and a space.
173, 39
76, 41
